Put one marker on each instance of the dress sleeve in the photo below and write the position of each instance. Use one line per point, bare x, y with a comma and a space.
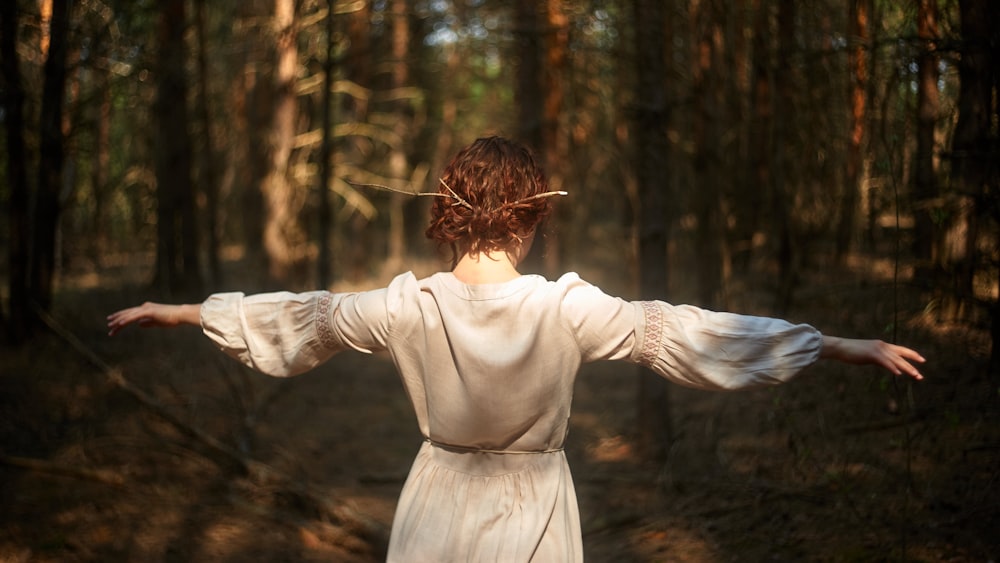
284, 334
720, 351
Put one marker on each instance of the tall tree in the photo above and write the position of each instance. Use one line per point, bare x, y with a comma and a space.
529, 96
284, 238
208, 170
709, 198
554, 141
177, 245
528, 93
654, 191
324, 267
358, 70
100, 93
47, 207
925, 189
780, 194
974, 156
17, 173
761, 127
542, 29
859, 38
399, 38
255, 93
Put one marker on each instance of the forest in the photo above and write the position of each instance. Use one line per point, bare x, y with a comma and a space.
834, 162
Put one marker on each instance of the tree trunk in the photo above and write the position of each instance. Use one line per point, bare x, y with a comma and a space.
858, 21
209, 175
925, 188
177, 248
528, 94
554, 142
324, 267
761, 130
974, 154
358, 68
51, 157
100, 166
970, 152
398, 158
781, 196
18, 325
655, 431
709, 198
284, 239
256, 94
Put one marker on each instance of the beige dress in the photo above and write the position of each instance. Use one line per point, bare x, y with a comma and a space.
490, 370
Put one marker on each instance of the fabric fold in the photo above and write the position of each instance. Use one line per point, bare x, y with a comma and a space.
721, 351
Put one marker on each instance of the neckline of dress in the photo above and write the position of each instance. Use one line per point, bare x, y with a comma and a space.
485, 291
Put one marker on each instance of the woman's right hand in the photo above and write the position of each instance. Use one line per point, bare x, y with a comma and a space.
897, 359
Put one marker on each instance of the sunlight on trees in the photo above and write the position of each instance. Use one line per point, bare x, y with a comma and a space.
759, 155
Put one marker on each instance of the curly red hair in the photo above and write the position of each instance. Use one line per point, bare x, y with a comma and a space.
492, 180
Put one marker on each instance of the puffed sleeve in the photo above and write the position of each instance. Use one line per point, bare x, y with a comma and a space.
720, 351
284, 334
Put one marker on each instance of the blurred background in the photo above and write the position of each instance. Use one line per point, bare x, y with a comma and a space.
835, 162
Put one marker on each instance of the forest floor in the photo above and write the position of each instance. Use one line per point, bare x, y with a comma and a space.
203, 460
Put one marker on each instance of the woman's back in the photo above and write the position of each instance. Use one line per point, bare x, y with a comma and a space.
492, 366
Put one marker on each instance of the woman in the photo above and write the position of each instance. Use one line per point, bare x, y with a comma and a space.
488, 358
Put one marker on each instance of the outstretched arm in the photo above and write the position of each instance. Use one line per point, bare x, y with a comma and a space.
154, 315
897, 359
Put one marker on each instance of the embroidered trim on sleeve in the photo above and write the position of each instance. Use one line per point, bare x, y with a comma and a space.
654, 331
324, 327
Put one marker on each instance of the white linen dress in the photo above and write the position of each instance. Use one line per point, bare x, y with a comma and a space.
490, 370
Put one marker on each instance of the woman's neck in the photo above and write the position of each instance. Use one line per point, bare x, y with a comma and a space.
496, 266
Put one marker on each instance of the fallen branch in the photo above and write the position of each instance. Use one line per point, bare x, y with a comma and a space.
104, 476
258, 472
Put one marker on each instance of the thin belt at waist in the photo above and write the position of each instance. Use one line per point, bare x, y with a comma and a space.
475, 449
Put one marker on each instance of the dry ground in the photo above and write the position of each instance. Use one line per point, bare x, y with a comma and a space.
842, 464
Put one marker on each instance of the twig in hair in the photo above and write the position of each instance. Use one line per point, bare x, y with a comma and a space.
539, 196
452, 195
460, 201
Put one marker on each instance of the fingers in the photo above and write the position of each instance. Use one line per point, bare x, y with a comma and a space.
141, 315
899, 360
119, 320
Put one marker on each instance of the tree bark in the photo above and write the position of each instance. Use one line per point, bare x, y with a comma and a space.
398, 158
51, 158
781, 197
17, 325
925, 185
209, 175
326, 228
528, 94
974, 175
529, 97
859, 36
177, 246
554, 142
358, 68
709, 198
284, 239
970, 152
100, 165
761, 130
655, 429
255, 92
